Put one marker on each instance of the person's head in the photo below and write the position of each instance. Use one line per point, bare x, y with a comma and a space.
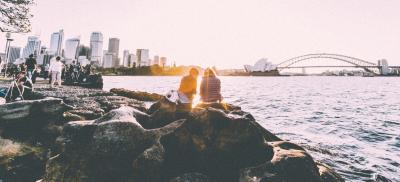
209, 73
73, 62
194, 72
58, 58
30, 55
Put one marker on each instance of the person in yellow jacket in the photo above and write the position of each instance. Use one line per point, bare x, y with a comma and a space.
188, 86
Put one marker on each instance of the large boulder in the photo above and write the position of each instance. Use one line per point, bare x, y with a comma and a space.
216, 144
142, 96
27, 120
114, 147
93, 107
21, 161
28, 110
208, 144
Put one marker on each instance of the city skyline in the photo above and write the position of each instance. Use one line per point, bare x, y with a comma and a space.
199, 33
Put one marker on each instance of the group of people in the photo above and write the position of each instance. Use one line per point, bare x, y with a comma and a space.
56, 71
210, 86
25, 75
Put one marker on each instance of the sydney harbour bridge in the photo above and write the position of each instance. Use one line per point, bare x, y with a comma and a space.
332, 60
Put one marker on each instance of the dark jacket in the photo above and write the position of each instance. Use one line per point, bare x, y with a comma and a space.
30, 63
188, 86
210, 89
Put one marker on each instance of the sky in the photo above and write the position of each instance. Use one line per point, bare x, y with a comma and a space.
227, 33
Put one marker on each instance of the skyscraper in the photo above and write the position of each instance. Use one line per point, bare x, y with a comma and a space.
113, 47
163, 61
108, 60
71, 50
56, 43
14, 54
156, 60
132, 60
32, 47
125, 61
83, 50
142, 57
96, 48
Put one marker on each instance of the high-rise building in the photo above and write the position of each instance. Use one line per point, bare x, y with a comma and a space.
132, 60
13, 54
108, 60
32, 47
113, 47
56, 43
156, 60
125, 61
44, 59
83, 60
96, 48
384, 67
71, 50
2, 58
84, 51
163, 61
142, 57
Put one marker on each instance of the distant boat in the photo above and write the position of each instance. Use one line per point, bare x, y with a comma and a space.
262, 68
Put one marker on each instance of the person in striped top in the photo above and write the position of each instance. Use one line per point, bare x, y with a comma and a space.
210, 87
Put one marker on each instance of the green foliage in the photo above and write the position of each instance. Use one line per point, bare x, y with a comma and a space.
15, 15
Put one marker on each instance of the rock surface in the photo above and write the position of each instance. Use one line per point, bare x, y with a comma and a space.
21, 162
142, 96
207, 144
94, 135
27, 110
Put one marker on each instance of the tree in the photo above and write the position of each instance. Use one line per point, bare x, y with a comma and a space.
15, 15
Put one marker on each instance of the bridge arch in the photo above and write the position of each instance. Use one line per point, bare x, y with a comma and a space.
356, 62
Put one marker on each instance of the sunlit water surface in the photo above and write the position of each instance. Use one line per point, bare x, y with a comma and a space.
350, 123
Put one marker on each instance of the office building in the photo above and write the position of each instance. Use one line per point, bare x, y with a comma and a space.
125, 59
108, 60
56, 43
2, 57
142, 57
44, 59
113, 47
13, 54
156, 60
163, 61
32, 47
384, 66
96, 48
71, 50
84, 51
132, 60
83, 60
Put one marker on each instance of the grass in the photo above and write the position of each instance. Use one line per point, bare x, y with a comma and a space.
9, 148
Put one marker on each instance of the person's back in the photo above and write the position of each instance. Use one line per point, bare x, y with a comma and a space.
30, 63
210, 87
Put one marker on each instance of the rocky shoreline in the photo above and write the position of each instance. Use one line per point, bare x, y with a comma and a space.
79, 134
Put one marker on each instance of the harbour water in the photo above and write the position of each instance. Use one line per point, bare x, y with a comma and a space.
349, 123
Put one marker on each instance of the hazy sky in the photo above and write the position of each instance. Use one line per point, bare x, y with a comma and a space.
228, 33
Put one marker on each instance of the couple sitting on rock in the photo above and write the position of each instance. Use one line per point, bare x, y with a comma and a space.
210, 87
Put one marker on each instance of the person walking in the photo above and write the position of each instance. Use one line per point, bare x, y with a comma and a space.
30, 66
188, 86
55, 70
210, 87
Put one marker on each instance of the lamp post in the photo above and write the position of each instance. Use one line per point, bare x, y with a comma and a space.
8, 42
